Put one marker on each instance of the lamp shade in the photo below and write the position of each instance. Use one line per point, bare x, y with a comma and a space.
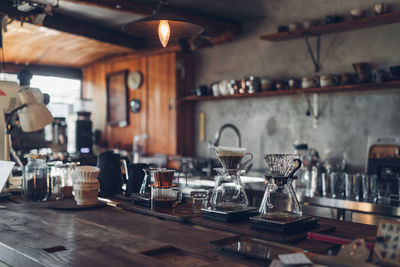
34, 117
148, 26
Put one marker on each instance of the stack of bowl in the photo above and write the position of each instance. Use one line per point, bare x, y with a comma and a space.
86, 186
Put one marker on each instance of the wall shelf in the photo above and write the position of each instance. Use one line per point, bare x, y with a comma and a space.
330, 89
367, 22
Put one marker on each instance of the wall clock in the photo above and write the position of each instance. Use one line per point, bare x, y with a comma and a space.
134, 80
135, 105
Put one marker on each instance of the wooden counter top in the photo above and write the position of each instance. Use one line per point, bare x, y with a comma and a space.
112, 236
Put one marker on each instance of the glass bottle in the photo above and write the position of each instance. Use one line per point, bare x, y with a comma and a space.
35, 179
228, 193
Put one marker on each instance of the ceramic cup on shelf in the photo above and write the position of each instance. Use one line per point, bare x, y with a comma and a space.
361, 67
379, 76
293, 27
280, 85
310, 23
357, 13
308, 82
293, 83
224, 87
327, 80
267, 84
364, 77
381, 8
346, 78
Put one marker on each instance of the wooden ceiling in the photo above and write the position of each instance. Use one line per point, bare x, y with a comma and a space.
30, 44
76, 35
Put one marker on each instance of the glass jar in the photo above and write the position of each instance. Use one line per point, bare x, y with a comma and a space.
35, 179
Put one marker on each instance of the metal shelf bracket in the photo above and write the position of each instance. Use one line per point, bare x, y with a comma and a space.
315, 58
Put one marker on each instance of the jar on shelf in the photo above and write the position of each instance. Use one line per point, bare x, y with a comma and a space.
35, 179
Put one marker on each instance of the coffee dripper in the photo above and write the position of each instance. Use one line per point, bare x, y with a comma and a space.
229, 193
280, 202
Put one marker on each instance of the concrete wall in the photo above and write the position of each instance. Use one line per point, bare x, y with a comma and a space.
272, 124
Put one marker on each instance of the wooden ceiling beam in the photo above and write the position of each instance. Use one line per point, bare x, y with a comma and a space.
212, 25
45, 70
70, 25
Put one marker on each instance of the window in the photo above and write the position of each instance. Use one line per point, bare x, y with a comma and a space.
64, 94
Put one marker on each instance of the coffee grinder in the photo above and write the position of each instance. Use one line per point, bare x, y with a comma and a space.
84, 139
280, 209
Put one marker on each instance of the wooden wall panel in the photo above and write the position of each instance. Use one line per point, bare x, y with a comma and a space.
122, 137
166, 77
94, 87
161, 113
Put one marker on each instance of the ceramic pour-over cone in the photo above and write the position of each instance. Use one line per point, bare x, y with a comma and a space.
282, 165
231, 157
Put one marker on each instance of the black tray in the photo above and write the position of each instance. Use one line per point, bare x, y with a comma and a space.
141, 200
229, 216
286, 227
71, 205
254, 248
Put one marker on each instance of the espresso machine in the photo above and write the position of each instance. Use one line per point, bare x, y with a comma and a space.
383, 160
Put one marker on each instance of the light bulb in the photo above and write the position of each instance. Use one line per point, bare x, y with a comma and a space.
163, 32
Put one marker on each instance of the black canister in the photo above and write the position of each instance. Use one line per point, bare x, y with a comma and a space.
110, 176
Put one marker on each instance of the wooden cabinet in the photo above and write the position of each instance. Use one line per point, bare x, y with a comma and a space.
168, 124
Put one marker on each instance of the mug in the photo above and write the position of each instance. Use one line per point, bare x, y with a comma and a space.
234, 87
283, 28
357, 13
280, 85
379, 76
254, 84
215, 89
293, 83
292, 27
202, 90
327, 80
223, 87
267, 84
310, 23
330, 19
308, 82
364, 77
381, 9
346, 78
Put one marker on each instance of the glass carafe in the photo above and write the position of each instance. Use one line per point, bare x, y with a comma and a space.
228, 193
145, 189
280, 201
35, 179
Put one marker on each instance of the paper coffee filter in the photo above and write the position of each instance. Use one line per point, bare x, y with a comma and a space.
226, 151
87, 173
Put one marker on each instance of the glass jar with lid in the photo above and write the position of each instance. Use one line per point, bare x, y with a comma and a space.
35, 179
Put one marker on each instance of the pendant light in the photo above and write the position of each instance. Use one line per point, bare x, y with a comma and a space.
164, 24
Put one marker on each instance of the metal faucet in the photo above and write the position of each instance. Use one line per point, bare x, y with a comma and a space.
217, 136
